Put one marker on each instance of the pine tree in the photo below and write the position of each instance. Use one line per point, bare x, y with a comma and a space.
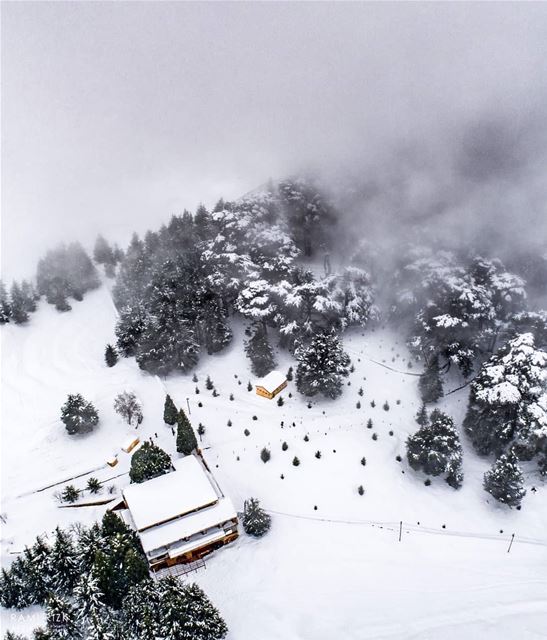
103, 253
321, 367
167, 344
78, 415
19, 313
149, 462
8, 590
209, 383
88, 597
29, 295
63, 562
265, 455
430, 383
21, 589
421, 417
260, 352
256, 522
169, 411
93, 485
5, 307
213, 330
89, 541
435, 449
508, 401
187, 613
70, 494
62, 619
140, 612
129, 328
110, 355
37, 560
186, 438
504, 481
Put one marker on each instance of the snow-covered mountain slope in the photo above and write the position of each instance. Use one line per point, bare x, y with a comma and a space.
332, 565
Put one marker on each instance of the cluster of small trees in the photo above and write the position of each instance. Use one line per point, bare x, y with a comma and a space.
435, 448
66, 272
507, 415
459, 309
94, 584
19, 303
106, 255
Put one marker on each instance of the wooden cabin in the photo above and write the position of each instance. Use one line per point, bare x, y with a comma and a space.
180, 516
271, 385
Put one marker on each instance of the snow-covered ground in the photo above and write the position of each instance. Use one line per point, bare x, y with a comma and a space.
332, 565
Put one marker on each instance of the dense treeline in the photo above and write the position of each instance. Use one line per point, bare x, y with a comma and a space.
63, 273
94, 584
177, 287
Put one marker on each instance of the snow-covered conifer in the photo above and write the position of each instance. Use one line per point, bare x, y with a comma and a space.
321, 366
508, 401
5, 307
19, 312
430, 383
149, 462
256, 522
169, 411
186, 438
110, 355
435, 449
63, 562
504, 481
78, 415
260, 352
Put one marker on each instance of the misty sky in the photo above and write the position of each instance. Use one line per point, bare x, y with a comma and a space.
117, 115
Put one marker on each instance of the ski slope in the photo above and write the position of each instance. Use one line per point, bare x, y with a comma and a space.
332, 565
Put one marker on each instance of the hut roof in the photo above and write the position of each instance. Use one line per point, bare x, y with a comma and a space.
187, 526
171, 495
272, 381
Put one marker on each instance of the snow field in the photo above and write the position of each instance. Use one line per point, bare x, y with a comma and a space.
308, 578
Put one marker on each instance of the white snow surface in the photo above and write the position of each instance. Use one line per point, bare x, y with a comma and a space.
332, 565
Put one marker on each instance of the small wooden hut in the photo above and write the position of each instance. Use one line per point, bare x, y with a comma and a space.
271, 385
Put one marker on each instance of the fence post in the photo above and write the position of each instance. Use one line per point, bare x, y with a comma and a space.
400, 530
511, 543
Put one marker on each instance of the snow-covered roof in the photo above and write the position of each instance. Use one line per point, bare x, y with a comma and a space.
171, 495
273, 380
189, 525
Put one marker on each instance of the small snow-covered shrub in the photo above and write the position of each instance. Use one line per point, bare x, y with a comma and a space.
360, 490
70, 494
295, 461
265, 455
284, 446
256, 522
93, 485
